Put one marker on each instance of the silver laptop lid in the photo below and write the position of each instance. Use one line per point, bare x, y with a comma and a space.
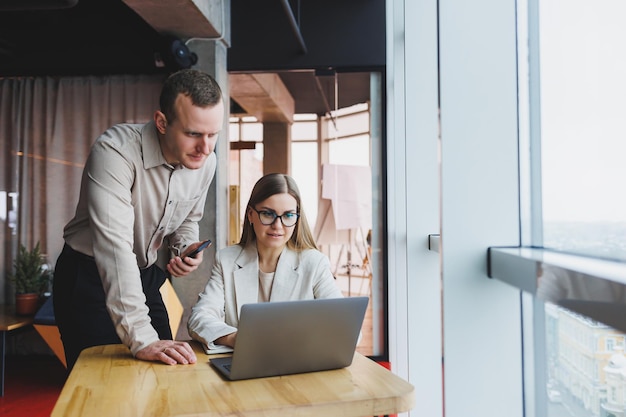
281, 338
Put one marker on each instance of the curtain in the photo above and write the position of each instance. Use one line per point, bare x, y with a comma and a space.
47, 126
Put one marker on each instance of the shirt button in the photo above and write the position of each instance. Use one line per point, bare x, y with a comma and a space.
160, 228
169, 202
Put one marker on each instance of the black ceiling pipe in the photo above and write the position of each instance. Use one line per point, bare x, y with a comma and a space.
32, 5
294, 24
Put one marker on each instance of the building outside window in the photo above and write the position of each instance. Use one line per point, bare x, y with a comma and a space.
575, 115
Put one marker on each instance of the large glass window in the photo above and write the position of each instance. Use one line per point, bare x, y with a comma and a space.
305, 161
583, 128
576, 146
342, 140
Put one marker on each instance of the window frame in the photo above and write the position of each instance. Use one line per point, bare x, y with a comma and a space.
518, 265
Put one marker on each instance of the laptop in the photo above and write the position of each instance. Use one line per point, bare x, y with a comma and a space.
289, 337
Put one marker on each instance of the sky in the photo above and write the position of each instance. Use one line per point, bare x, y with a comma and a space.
583, 109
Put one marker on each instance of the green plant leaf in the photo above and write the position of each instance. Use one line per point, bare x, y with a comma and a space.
29, 274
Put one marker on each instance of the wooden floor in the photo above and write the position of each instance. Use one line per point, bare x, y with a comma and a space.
358, 286
365, 346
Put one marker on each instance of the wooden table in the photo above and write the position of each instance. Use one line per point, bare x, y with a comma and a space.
107, 381
9, 321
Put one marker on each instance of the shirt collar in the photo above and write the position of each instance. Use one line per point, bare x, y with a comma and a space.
150, 147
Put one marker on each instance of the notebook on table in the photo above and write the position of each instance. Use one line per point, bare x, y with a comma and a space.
216, 349
288, 337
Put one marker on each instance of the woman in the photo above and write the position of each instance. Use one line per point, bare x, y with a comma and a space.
276, 260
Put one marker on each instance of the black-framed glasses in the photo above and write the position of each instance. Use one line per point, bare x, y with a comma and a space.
268, 217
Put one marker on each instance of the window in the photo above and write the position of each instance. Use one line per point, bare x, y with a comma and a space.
571, 151
305, 161
341, 137
245, 167
582, 126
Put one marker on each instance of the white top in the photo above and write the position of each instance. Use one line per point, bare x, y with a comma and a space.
266, 279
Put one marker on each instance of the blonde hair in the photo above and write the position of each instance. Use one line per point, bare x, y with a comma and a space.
267, 186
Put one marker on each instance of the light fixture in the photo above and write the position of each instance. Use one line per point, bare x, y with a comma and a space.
175, 54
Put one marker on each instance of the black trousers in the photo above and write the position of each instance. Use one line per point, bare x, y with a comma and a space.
80, 304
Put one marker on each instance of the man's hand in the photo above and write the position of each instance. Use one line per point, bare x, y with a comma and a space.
180, 266
170, 352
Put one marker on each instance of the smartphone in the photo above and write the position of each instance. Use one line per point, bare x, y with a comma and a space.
199, 249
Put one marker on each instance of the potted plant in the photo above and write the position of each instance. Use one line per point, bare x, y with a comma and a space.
31, 277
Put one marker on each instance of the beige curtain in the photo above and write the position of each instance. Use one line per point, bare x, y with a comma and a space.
46, 128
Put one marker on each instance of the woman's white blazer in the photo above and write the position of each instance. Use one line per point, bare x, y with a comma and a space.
234, 282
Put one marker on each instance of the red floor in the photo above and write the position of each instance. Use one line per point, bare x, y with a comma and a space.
32, 384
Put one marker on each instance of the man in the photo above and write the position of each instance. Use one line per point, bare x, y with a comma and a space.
142, 185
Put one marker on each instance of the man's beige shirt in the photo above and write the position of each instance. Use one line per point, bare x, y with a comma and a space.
130, 200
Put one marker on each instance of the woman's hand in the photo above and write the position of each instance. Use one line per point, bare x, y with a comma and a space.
228, 340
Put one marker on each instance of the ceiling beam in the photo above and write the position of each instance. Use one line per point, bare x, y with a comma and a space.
184, 18
263, 96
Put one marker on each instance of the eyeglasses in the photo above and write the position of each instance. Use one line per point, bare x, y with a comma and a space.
268, 217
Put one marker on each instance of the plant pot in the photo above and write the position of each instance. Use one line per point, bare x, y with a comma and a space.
26, 304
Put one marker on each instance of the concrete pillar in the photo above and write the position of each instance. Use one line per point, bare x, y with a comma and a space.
276, 147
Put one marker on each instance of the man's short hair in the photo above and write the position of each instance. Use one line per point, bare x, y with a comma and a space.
203, 90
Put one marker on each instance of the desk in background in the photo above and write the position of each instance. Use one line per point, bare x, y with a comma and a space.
108, 381
9, 321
